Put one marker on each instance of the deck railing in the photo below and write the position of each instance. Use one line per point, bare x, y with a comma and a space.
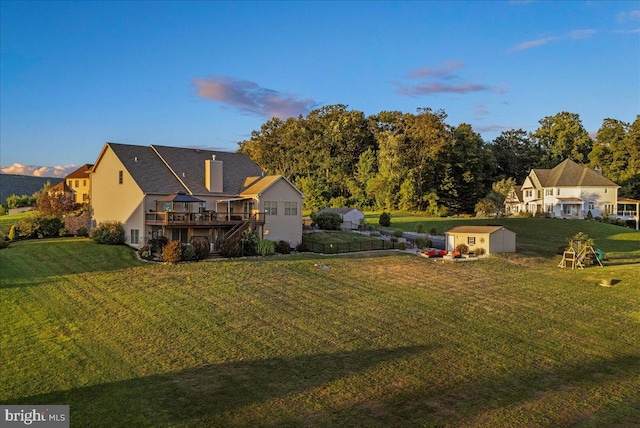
207, 218
627, 213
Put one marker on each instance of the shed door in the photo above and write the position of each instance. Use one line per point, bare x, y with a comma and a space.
451, 243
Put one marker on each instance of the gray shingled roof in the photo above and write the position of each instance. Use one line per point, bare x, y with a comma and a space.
236, 167
166, 170
147, 169
568, 173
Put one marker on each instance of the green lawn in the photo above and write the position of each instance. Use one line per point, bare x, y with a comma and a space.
7, 220
386, 339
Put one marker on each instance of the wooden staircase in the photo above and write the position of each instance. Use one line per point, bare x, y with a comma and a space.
235, 233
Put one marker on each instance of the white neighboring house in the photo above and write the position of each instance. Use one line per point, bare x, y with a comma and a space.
187, 194
352, 218
568, 191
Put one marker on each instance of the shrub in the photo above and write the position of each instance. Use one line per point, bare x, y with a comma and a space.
283, 247
12, 233
27, 227
3, 210
327, 221
385, 219
202, 250
480, 251
420, 228
302, 247
402, 246
433, 231
231, 248
172, 252
589, 215
250, 243
109, 233
398, 233
63, 232
375, 234
49, 226
462, 248
82, 231
422, 242
189, 253
266, 247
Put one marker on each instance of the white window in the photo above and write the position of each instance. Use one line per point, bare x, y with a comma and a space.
290, 208
471, 240
608, 208
271, 207
606, 190
135, 236
558, 192
592, 205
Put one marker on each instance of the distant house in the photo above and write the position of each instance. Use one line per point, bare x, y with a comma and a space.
191, 194
513, 202
79, 181
61, 189
568, 191
494, 239
352, 218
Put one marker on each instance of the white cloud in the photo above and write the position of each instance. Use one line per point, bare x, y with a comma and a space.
39, 171
581, 34
249, 97
533, 43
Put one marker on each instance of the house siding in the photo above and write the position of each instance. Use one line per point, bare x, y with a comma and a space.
499, 241
282, 227
116, 202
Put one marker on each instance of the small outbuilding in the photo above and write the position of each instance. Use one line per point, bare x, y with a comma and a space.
352, 218
494, 239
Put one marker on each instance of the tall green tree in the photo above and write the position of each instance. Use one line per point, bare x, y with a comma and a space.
468, 170
562, 136
515, 154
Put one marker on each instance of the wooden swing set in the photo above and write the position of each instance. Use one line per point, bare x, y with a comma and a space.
580, 251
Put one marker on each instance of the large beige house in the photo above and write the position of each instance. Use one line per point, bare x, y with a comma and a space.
569, 191
191, 194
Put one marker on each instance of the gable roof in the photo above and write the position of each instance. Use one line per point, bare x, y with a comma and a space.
166, 170
256, 188
61, 188
82, 172
570, 174
146, 168
476, 229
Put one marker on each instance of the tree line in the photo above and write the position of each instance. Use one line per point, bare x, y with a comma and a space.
416, 161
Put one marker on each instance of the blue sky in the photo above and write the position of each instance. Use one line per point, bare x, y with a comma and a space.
75, 75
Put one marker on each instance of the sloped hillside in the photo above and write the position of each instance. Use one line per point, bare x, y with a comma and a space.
11, 184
